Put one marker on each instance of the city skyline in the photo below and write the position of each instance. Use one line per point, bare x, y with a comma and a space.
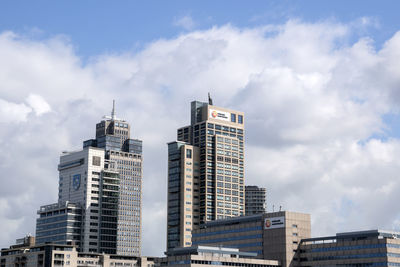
320, 94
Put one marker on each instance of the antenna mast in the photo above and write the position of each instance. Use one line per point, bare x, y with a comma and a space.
210, 102
113, 111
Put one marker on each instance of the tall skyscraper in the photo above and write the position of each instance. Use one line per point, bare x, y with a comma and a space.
104, 182
205, 171
255, 199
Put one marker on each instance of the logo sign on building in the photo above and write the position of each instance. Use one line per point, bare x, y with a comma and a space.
76, 181
274, 222
219, 115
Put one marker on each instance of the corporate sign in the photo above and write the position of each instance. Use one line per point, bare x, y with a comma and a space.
76, 181
274, 222
219, 115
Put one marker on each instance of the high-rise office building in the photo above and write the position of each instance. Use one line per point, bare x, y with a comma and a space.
205, 171
183, 184
104, 180
255, 200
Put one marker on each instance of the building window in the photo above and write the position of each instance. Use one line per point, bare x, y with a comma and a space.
96, 161
188, 153
233, 117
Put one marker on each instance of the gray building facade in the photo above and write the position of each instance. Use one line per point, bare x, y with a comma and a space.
256, 198
59, 223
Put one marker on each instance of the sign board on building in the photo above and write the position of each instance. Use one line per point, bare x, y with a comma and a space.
219, 115
274, 222
76, 181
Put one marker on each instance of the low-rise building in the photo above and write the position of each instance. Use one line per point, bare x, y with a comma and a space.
49, 255
59, 223
212, 256
364, 248
27, 241
272, 236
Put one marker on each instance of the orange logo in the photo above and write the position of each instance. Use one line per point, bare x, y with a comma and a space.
267, 223
214, 114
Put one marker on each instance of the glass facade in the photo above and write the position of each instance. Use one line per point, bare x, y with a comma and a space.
59, 223
174, 199
365, 248
109, 212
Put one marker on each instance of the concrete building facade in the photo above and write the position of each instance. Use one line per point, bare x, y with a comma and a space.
183, 188
216, 137
212, 256
273, 236
255, 199
52, 255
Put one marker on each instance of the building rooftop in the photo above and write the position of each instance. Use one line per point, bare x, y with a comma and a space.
352, 236
233, 220
209, 249
58, 205
241, 219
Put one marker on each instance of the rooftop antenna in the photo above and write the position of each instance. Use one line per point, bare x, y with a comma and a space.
210, 102
113, 111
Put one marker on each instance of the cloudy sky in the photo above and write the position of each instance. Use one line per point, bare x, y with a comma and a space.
319, 85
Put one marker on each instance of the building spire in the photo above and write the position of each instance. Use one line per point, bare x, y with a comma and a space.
210, 102
113, 111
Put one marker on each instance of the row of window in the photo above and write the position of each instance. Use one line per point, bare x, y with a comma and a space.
227, 239
221, 127
355, 256
342, 248
223, 263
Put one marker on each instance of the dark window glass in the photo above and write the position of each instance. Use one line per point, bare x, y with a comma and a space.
233, 117
188, 153
240, 119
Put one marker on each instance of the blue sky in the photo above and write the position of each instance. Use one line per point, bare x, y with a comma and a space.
97, 27
318, 81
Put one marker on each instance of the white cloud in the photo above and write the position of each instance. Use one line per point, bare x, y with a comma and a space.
185, 22
39, 105
313, 103
12, 112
